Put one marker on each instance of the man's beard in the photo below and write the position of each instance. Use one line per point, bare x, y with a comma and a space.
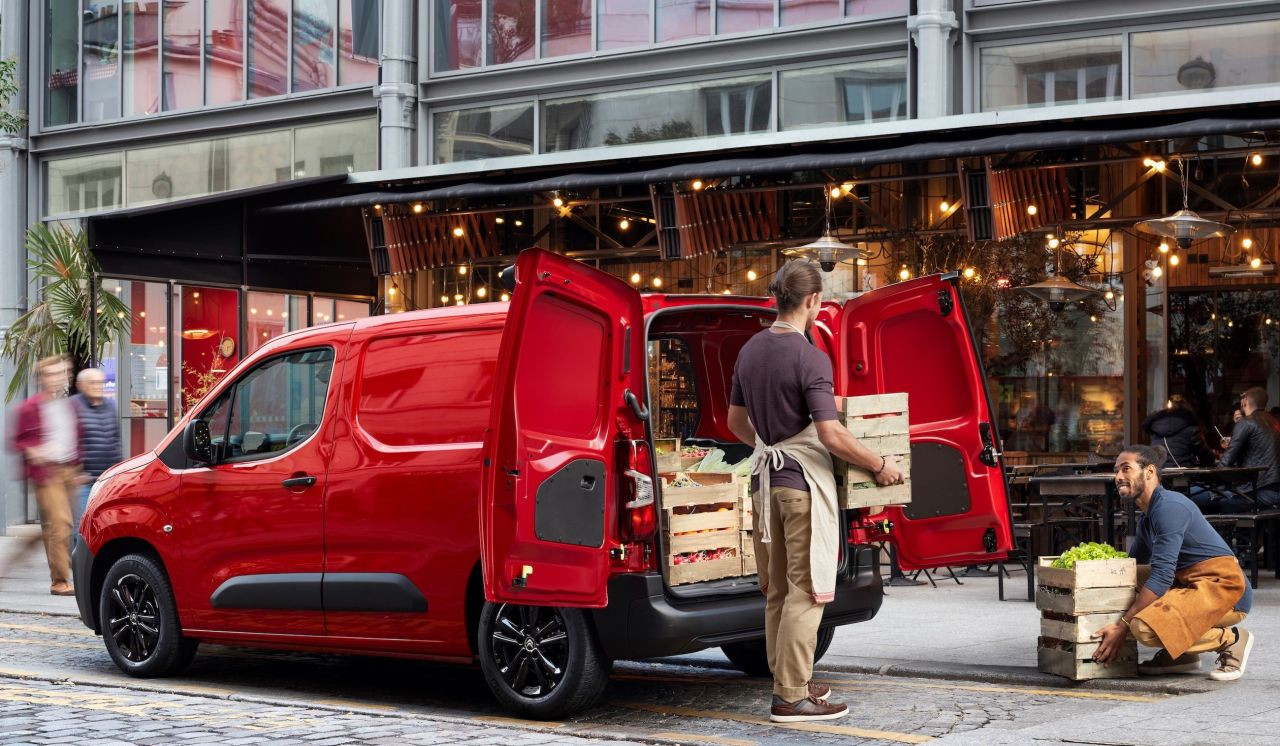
1136, 489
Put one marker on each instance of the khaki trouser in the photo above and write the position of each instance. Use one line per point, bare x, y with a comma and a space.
54, 498
791, 616
1217, 638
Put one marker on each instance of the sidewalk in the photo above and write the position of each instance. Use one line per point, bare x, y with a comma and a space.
24, 584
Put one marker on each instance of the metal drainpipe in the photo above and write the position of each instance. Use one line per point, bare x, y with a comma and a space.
397, 93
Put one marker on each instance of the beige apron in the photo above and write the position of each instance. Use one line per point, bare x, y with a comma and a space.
1201, 595
815, 462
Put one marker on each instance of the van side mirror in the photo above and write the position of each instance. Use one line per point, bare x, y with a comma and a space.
197, 442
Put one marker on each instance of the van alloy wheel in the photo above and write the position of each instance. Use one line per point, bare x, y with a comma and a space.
135, 619
530, 648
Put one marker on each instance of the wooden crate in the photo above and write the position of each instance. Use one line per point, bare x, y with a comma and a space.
697, 572
881, 423
1111, 573
1075, 660
1085, 600
747, 552
693, 532
1076, 628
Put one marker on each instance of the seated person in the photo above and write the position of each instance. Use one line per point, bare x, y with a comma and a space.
1254, 442
1194, 596
1178, 431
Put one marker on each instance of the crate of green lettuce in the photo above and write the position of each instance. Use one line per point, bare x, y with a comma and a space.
1085, 589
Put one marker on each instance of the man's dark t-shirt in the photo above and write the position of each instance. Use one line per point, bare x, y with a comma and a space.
784, 382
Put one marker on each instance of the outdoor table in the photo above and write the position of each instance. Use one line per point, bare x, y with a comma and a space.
1092, 485
1183, 478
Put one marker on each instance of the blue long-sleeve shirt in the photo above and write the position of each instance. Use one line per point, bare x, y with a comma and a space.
1172, 535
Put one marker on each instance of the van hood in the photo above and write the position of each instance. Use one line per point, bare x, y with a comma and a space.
133, 464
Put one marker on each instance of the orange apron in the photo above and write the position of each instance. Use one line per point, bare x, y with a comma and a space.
1201, 595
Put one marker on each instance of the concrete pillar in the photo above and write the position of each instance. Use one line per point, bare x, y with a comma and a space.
13, 255
932, 29
398, 91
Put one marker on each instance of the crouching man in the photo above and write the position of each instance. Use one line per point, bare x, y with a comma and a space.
1194, 596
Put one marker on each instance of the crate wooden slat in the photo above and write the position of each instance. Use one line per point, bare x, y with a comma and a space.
696, 572
1080, 628
691, 542
1086, 600
716, 520
875, 404
1078, 664
707, 494
1112, 573
882, 424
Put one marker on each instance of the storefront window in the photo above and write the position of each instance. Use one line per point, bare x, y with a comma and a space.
795, 12
61, 62
683, 19
224, 51
268, 45
1056, 73
735, 16
566, 27
314, 66
854, 8
623, 23
459, 43
331, 310
101, 62
856, 93
358, 31
141, 58
511, 30
708, 108
487, 132
209, 339
168, 172
1205, 57
180, 88
340, 148
84, 184
137, 371
273, 314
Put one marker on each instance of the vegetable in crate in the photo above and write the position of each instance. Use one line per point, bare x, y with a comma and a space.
1090, 550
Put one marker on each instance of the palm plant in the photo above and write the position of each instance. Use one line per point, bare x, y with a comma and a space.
61, 320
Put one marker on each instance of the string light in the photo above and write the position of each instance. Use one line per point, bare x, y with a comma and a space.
751, 275
1032, 209
519, 223
835, 192
1173, 260
861, 262
444, 299
558, 202
726, 292
505, 297
1164, 247
458, 232
1157, 272
696, 184
482, 292
417, 207
657, 282
458, 296
391, 291
624, 224
904, 274
969, 272
944, 206
1246, 242
377, 208
1093, 318
1255, 263
635, 278
499, 220
462, 270
142, 314
1054, 243
1256, 159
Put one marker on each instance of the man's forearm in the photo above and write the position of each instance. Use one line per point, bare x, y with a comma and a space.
851, 451
1145, 598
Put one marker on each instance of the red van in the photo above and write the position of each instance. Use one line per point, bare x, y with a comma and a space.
478, 483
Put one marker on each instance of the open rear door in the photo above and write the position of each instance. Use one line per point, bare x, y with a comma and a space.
915, 337
570, 369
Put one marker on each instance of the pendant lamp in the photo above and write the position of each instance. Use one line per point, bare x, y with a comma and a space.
827, 250
1057, 290
1184, 226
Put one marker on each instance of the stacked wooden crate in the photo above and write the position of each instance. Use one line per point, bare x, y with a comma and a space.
1075, 604
702, 528
881, 423
747, 513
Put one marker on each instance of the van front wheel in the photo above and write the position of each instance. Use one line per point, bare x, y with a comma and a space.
751, 658
542, 662
140, 619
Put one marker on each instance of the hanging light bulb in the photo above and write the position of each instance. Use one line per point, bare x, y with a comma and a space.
751, 275
458, 296
835, 192
444, 299
1032, 209
1246, 243
1156, 272
904, 273
1054, 243
505, 297
1109, 295
726, 291
458, 232
1093, 318
462, 270
657, 282
1164, 247
969, 272
499, 220
624, 224
417, 208
558, 201
1255, 262
519, 223
1173, 260
391, 291
696, 184
482, 292
1256, 159
635, 278
944, 206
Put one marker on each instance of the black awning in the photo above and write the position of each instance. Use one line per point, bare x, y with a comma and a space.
928, 146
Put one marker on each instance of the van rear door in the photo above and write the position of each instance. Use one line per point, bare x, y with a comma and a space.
914, 337
570, 376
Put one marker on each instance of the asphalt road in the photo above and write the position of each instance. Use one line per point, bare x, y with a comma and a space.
57, 685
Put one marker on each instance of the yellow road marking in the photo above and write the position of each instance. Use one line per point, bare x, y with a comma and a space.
345, 703
699, 738
838, 730
53, 630
499, 720
48, 643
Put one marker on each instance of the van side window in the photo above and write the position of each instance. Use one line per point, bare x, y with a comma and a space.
273, 407
428, 388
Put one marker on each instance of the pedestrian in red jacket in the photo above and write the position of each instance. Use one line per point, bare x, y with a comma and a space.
47, 436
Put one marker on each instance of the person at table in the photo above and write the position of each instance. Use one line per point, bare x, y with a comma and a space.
1178, 431
1192, 593
1254, 442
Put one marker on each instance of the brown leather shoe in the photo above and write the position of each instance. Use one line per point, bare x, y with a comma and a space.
819, 691
62, 589
805, 710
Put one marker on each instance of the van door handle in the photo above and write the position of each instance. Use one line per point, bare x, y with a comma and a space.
294, 483
641, 411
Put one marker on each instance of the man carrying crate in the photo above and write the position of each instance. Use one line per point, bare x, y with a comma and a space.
784, 406
1194, 596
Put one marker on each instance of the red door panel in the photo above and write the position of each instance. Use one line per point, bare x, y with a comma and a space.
571, 353
914, 337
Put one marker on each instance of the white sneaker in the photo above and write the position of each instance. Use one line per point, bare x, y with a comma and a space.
1232, 660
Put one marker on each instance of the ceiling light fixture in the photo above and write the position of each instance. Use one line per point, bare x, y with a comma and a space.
828, 250
1184, 226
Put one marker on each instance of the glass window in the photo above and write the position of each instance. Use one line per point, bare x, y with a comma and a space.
358, 29
1056, 73
459, 44
141, 58
272, 314
167, 172
83, 183
314, 66
339, 148
251, 160
137, 373
1205, 57
181, 85
683, 19
209, 320
855, 8
855, 93
623, 23
733, 16
796, 12
223, 51
268, 47
566, 27
101, 60
350, 310
511, 31
487, 132
61, 62
279, 403
708, 108
323, 311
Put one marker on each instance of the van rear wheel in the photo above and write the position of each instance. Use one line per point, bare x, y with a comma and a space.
751, 657
542, 662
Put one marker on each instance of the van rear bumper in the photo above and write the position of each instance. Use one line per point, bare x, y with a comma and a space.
643, 621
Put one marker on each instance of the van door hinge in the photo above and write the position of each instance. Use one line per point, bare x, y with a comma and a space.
945, 302
989, 456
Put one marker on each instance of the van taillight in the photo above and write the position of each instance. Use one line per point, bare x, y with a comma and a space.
639, 519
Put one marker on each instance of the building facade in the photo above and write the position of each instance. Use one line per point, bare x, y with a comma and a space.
133, 106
